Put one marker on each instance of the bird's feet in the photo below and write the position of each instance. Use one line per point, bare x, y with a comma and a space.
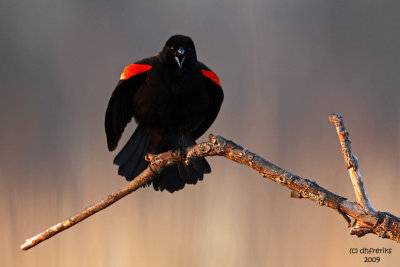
182, 148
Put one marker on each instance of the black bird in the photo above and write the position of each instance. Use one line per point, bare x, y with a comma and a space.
174, 99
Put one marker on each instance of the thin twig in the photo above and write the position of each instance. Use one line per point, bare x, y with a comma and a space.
387, 224
351, 164
383, 224
158, 162
146, 175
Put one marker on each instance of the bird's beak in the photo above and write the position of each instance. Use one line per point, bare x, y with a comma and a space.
180, 56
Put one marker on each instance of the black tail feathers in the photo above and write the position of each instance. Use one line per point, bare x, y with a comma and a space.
131, 160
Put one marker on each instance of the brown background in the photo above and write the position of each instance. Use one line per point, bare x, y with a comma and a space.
284, 65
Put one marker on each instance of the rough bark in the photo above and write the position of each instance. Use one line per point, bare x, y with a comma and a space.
366, 219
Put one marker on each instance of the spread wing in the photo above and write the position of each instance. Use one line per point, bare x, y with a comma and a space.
120, 107
215, 96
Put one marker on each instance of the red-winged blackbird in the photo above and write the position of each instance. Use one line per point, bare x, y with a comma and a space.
174, 99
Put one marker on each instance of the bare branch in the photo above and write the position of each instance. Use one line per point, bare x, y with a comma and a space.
351, 164
367, 220
386, 225
146, 175
158, 163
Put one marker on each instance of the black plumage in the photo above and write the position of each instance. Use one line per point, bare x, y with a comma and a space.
174, 98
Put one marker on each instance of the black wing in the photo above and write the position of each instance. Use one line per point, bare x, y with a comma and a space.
215, 96
120, 107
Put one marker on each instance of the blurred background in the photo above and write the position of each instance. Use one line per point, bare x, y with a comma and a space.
284, 66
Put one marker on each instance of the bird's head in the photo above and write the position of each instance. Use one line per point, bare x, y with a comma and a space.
179, 50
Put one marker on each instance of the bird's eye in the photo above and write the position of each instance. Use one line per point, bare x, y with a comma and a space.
171, 48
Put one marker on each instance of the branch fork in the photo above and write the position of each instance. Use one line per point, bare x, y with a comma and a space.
386, 224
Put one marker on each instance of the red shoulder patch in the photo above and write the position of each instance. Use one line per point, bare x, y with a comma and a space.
134, 69
211, 75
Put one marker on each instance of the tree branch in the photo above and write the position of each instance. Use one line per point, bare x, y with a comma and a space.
157, 164
366, 219
351, 164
